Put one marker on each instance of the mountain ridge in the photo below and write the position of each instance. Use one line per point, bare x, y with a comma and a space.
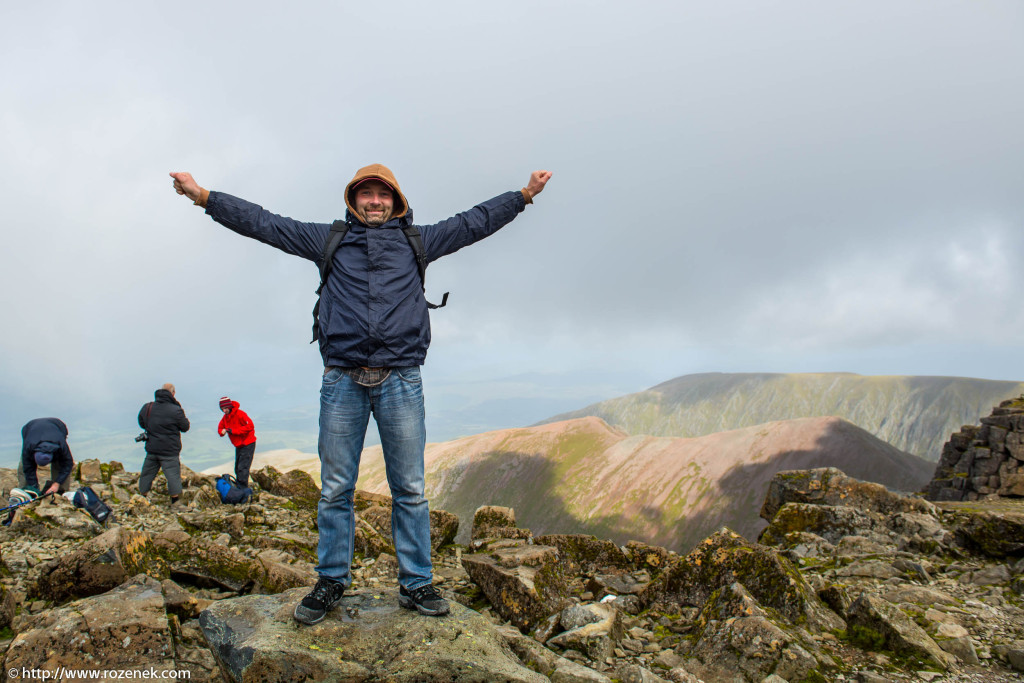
913, 413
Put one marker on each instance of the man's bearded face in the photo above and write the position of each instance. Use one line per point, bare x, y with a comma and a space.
374, 202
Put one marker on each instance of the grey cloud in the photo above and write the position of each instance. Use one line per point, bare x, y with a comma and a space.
732, 182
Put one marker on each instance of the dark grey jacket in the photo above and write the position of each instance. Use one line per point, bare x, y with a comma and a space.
164, 421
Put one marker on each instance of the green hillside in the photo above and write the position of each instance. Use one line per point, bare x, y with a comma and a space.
915, 414
583, 476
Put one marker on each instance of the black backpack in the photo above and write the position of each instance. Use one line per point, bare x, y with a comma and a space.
338, 230
87, 499
230, 491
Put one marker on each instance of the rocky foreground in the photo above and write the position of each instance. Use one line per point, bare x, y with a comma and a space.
848, 582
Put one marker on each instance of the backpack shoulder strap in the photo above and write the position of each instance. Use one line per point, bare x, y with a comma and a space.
324, 263
415, 238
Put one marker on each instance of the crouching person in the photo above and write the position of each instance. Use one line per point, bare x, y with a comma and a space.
44, 443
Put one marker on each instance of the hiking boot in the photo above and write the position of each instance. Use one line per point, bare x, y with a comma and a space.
321, 600
425, 600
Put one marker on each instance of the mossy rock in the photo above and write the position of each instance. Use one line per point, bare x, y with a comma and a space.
726, 557
588, 553
296, 485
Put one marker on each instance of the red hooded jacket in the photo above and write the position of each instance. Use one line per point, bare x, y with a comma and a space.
239, 427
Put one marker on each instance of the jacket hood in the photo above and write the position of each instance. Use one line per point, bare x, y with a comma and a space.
164, 396
234, 406
384, 174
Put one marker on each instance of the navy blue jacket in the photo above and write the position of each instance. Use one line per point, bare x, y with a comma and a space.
372, 310
51, 430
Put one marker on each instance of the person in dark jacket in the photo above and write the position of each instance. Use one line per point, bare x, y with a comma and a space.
242, 432
164, 421
374, 330
44, 442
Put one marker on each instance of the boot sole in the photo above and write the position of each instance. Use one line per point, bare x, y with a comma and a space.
409, 603
307, 622
310, 622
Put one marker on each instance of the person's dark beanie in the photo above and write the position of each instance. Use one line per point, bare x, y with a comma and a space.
225, 402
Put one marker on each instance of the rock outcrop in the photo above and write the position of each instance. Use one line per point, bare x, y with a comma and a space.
983, 460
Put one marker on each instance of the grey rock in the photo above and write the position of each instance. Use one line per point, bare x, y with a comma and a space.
631, 673
524, 583
367, 637
871, 619
874, 569
493, 521
990, 576
960, 647
594, 639
726, 557
576, 616
919, 595
125, 628
98, 565
832, 487
571, 672
854, 546
737, 636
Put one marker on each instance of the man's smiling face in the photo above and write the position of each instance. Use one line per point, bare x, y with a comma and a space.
374, 202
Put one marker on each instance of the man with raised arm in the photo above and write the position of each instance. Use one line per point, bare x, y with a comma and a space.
373, 329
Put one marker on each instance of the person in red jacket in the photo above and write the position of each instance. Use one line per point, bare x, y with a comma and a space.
242, 433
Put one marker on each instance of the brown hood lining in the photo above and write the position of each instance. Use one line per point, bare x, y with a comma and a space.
384, 174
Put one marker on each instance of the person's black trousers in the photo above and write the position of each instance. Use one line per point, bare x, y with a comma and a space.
243, 461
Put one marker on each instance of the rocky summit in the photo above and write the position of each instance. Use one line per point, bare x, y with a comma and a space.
848, 582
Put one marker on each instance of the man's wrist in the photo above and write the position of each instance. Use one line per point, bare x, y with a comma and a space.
527, 196
204, 197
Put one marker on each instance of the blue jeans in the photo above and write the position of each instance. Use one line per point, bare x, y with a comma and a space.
397, 407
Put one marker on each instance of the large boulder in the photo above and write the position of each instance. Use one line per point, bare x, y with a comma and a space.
295, 485
222, 519
831, 486
596, 637
494, 521
725, 558
590, 554
996, 532
877, 624
125, 628
524, 583
211, 565
366, 638
99, 565
737, 636
831, 522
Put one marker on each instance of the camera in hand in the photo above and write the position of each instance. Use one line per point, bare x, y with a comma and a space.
142, 437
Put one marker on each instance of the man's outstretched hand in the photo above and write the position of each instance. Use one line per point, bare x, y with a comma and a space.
538, 179
185, 184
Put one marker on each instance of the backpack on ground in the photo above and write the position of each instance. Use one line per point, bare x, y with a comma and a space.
87, 499
326, 260
230, 491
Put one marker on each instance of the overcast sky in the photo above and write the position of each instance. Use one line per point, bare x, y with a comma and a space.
738, 186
